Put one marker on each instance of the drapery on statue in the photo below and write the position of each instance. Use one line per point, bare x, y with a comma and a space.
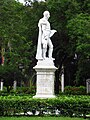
44, 40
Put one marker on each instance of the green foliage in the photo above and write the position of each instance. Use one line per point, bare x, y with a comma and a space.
75, 90
13, 38
19, 33
67, 105
14, 26
79, 32
79, 28
72, 21
8, 74
10, 19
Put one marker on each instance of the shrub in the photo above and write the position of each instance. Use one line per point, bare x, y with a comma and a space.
73, 90
65, 105
19, 91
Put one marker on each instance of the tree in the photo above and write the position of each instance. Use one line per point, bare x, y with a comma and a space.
62, 11
79, 32
9, 74
19, 33
13, 26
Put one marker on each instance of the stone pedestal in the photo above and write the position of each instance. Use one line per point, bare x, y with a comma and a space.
45, 70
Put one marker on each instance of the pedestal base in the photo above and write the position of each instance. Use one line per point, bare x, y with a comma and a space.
45, 79
44, 96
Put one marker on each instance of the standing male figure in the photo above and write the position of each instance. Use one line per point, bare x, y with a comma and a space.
44, 40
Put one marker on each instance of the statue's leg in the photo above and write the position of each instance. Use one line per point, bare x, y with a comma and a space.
44, 50
50, 49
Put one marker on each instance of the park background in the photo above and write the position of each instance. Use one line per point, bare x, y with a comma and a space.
18, 42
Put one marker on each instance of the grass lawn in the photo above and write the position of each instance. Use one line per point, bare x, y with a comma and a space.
40, 118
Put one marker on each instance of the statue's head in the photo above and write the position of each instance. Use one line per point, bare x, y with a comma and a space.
46, 14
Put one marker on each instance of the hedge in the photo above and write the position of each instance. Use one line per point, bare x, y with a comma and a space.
61, 106
73, 90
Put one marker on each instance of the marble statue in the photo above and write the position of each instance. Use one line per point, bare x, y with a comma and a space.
45, 68
45, 33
